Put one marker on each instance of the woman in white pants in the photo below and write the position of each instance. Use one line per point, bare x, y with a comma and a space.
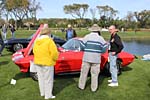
45, 56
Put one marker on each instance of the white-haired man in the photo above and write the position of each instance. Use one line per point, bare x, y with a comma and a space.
115, 47
95, 45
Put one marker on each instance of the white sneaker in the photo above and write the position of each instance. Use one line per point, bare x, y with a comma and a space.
113, 84
52, 97
109, 81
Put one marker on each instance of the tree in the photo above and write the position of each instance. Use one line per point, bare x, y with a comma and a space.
107, 14
143, 18
76, 10
33, 8
130, 16
32, 13
19, 9
130, 21
93, 13
3, 10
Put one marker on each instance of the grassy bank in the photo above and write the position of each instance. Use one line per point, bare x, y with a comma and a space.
134, 83
129, 35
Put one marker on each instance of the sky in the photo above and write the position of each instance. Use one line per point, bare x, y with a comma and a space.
54, 8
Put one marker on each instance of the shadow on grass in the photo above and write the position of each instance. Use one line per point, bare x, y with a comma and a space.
148, 84
4, 63
8, 54
100, 80
6, 84
21, 75
63, 81
17, 77
127, 68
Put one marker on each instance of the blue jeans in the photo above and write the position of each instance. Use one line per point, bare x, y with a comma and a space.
113, 67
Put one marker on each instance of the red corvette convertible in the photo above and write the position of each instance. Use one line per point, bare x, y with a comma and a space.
70, 57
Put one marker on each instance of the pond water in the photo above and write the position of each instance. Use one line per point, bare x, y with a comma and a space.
139, 47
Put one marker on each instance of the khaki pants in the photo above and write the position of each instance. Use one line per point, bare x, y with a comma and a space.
45, 80
95, 70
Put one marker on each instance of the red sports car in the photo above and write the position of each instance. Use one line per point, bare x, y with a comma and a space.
70, 57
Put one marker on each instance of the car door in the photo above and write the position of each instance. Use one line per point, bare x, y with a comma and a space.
70, 59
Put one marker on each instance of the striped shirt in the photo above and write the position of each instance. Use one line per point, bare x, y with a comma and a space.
94, 46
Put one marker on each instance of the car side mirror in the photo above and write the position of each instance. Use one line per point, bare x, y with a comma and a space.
60, 49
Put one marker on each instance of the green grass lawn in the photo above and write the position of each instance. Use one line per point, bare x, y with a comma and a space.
134, 82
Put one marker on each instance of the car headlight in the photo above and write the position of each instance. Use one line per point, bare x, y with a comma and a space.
16, 56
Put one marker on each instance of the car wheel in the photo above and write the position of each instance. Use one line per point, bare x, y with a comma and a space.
107, 68
34, 76
17, 47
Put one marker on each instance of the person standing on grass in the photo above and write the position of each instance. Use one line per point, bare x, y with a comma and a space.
12, 29
70, 33
115, 47
2, 45
45, 56
4, 31
95, 45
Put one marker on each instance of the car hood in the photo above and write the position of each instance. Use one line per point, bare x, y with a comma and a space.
17, 39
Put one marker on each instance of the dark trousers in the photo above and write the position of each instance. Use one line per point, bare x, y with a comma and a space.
2, 45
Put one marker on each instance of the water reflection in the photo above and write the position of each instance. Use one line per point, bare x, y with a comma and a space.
137, 47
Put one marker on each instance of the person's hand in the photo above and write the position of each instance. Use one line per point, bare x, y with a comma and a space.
113, 53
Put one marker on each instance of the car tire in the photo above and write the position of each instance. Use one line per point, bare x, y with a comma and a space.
17, 47
107, 68
34, 76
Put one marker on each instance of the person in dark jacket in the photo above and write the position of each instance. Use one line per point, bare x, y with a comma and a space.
70, 33
12, 29
115, 47
2, 45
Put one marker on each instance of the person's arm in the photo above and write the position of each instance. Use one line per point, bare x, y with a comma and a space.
66, 35
105, 45
1, 36
119, 44
74, 33
53, 50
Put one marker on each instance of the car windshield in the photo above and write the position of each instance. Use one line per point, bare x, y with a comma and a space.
73, 44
